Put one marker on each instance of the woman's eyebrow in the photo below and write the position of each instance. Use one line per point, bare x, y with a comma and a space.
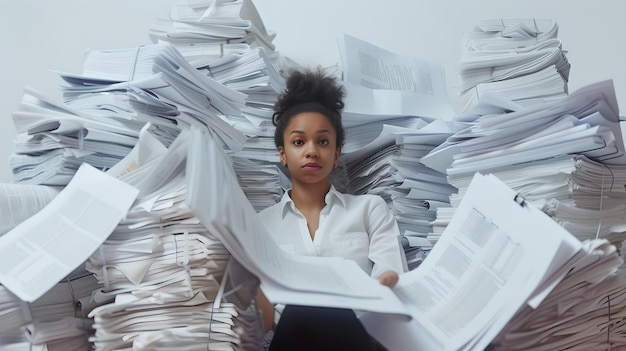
296, 131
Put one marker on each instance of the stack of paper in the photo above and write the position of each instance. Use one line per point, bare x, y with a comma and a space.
163, 261
106, 107
420, 183
538, 150
366, 138
384, 158
257, 164
160, 258
12, 331
166, 101
251, 73
261, 147
605, 222
585, 311
228, 42
260, 181
365, 159
422, 191
161, 87
54, 139
205, 30
164, 323
593, 181
373, 173
112, 99
518, 59
57, 320
258, 169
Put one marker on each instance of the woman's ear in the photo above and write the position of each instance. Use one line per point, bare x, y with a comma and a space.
337, 152
283, 158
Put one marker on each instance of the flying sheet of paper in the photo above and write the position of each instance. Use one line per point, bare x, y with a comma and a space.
42, 250
494, 254
380, 82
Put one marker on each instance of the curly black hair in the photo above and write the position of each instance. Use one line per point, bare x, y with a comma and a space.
309, 90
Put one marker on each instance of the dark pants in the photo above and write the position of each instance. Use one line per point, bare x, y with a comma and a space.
304, 328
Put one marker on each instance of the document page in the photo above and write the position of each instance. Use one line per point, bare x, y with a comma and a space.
381, 82
496, 251
42, 250
20, 201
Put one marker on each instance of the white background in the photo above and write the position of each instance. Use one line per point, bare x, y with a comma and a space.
43, 35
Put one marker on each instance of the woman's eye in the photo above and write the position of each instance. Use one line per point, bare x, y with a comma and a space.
297, 142
324, 142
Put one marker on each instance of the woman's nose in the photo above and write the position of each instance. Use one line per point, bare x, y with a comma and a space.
311, 150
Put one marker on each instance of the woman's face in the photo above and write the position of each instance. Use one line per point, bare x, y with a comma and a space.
310, 152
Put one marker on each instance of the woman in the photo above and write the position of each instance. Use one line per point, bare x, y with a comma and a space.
314, 219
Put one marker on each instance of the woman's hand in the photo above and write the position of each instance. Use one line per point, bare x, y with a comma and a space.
388, 278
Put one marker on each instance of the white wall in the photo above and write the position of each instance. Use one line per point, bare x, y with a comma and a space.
42, 35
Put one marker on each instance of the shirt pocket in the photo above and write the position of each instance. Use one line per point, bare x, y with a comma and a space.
352, 245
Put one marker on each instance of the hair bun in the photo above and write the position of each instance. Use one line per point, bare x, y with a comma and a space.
307, 86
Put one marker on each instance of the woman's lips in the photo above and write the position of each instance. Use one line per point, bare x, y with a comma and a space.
311, 167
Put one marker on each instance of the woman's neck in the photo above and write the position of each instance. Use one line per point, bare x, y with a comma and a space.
308, 197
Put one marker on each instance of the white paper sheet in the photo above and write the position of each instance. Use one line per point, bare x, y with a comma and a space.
380, 82
492, 256
42, 250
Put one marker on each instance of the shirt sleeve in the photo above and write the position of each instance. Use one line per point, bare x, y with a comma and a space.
384, 250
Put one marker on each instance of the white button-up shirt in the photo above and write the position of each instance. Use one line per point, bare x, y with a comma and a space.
357, 227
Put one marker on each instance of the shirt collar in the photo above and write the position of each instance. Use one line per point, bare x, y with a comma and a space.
332, 196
